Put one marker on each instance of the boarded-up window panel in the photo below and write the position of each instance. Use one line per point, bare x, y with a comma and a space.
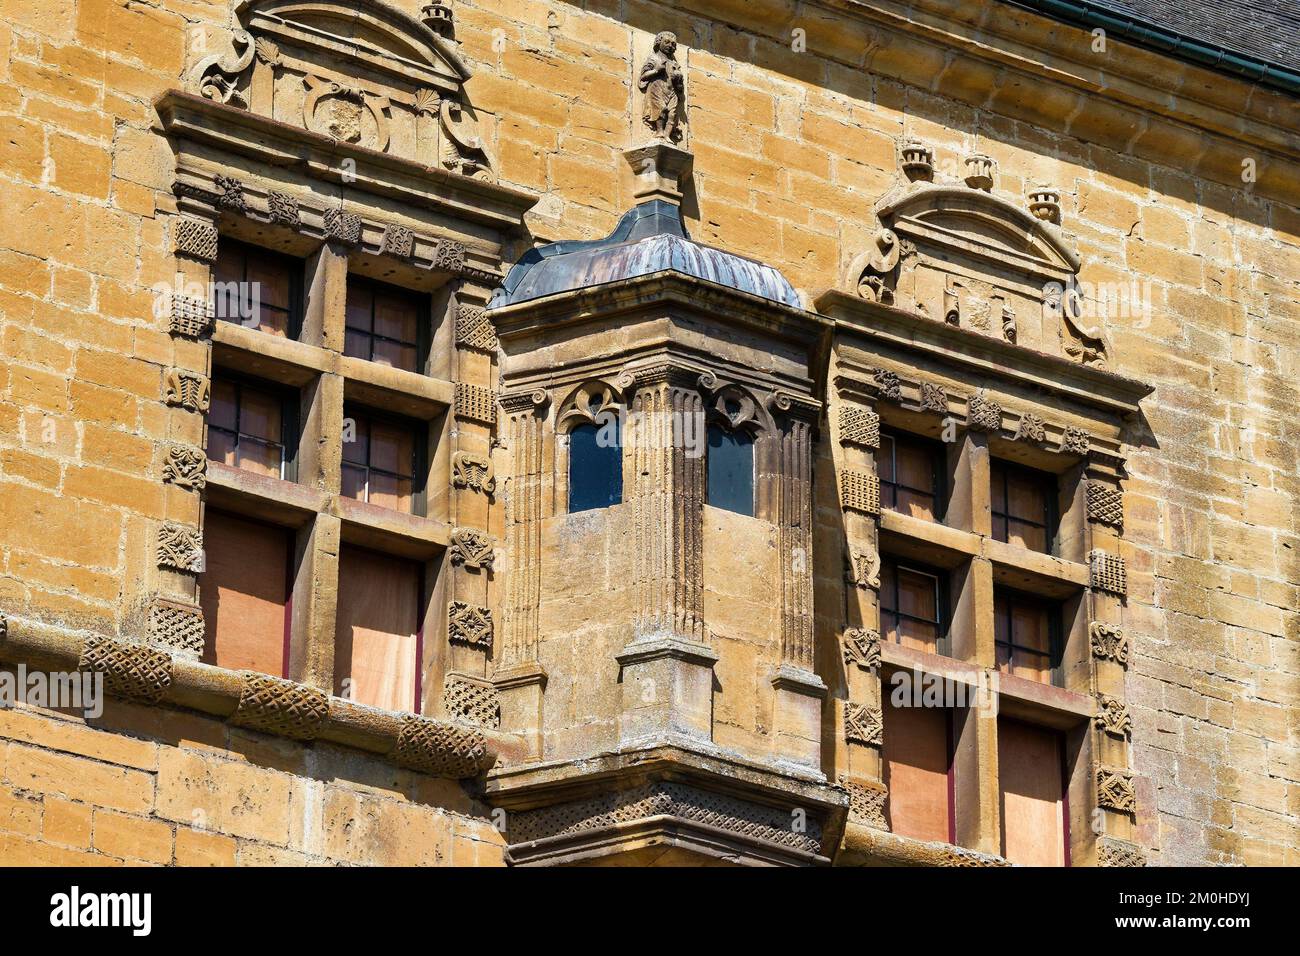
244, 591
376, 631
916, 771
1031, 787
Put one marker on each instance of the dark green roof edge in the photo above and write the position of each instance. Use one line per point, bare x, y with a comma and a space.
1143, 33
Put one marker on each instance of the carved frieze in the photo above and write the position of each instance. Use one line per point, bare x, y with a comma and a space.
982, 414
860, 491
230, 193
133, 671
186, 467
179, 547
191, 317
187, 390
1115, 790
476, 402
474, 472
474, 329
887, 385
195, 238
176, 626
472, 548
469, 624
861, 647
863, 725
1105, 504
1109, 642
472, 701
859, 426
1113, 717
440, 748
282, 707
1107, 572
1031, 428
342, 226
449, 256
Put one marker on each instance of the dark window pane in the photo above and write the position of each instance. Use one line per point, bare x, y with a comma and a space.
886, 463
915, 468
259, 414
595, 471
731, 470
358, 449
391, 448
356, 344
223, 410
354, 482
221, 446
916, 595
359, 308
1023, 506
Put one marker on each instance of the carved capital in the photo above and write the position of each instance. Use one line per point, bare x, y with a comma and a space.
187, 390
866, 803
982, 414
195, 238
474, 329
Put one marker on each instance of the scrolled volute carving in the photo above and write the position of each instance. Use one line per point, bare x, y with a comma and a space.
218, 76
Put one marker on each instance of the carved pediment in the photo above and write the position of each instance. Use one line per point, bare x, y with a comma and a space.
360, 72
961, 254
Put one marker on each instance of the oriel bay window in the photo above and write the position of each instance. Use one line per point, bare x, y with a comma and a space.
913, 606
911, 475
383, 461
1023, 506
252, 426
257, 288
1027, 636
731, 469
385, 325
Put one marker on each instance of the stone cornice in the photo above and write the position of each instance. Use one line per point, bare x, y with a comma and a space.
985, 356
216, 125
272, 705
1035, 69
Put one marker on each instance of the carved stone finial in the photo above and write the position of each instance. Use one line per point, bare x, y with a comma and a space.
662, 81
979, 171
1045, 204
438, 17
917, 161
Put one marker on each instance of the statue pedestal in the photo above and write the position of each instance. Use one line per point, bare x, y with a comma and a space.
659, 167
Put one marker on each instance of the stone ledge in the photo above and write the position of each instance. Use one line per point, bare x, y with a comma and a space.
865, 846
272, 705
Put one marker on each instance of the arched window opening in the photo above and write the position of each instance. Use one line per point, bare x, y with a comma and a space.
595, 469
731, 470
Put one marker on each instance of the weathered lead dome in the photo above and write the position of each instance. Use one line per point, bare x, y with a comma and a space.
649, 238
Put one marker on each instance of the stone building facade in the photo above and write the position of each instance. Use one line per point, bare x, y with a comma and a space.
540, 431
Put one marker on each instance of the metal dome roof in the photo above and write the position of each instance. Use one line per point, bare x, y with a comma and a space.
649, 238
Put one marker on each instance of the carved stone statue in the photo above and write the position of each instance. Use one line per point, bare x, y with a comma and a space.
662, 83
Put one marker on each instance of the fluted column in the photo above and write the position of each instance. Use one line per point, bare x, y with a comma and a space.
520, 679
668, 665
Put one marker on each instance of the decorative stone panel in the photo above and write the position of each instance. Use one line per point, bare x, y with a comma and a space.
441, 749
180, 547
1105, 504
864, 566
1076, 441
1109, 642
960, 856
859, 426
283, 210
343, 226
863, 725
133, 671
469, 624
1113, 717
176, 626
196, 238
398, 241
471, 701
887, 385
474, 472
860, 491
230, 193
449, 256
476, 402
1031, 428
191, 317
1115, 790
866, 804
1113, 852
474, 329
472, 548
186, 467
1107, 572
933, 398
667, 799
861, 647
187, 390
983, 415
277, 706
